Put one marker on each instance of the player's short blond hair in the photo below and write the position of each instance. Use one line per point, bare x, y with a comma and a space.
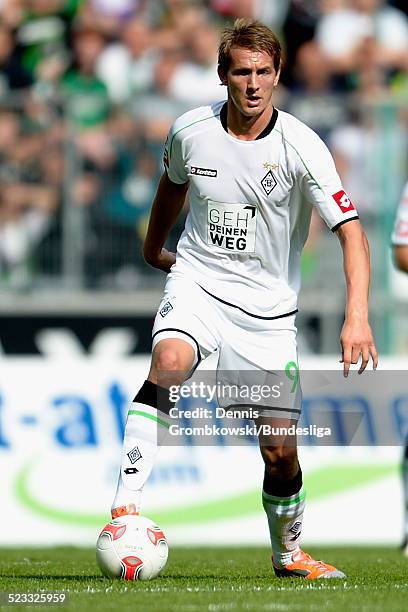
248, 34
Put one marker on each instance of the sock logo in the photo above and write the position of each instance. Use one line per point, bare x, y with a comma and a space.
134, 455
165, 309
296, 530
130, 471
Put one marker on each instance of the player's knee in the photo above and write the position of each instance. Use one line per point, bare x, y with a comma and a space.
280, 459
168, 360
170, 364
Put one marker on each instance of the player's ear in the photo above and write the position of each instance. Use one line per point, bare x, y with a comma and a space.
276, 80
222, 75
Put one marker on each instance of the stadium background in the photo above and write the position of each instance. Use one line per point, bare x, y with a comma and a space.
88, 90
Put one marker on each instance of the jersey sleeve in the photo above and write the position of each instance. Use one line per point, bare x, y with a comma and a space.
320, 184
400, 232
173, 156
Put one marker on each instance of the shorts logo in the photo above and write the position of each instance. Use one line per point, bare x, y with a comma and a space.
134, 455
343, 201
204, 172
269, 182
165, 309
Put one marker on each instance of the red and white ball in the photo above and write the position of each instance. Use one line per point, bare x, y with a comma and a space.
131, 547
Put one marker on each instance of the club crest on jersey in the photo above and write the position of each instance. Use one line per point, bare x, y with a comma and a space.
269, 182
134, 455
343, 201
204, 172
165, 309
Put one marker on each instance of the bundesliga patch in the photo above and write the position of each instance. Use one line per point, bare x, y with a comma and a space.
343, 201
269, 182
165, 309
203, 171
134, 455
231, 227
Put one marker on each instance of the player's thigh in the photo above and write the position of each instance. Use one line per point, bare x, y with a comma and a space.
260, 357
184, 315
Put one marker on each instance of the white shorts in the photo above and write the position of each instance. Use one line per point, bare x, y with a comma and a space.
250, 348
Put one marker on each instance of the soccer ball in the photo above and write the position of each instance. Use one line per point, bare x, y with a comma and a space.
131, 547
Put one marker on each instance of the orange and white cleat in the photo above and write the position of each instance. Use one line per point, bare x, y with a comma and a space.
304, 566
124, 510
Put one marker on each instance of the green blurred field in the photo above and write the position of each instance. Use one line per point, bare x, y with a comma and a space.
216, 580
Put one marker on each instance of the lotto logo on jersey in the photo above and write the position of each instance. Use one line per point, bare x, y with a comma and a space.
204, 172
343, 201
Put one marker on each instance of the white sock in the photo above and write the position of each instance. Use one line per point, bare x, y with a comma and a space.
145, 431
285, 515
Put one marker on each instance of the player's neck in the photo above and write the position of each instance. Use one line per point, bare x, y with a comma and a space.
247, 128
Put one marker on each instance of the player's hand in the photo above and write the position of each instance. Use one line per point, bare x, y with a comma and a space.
162, 260
357, 339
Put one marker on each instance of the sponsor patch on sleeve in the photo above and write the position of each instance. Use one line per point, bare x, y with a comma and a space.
402, 229
343, 201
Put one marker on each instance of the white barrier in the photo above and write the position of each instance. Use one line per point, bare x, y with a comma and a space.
61, 425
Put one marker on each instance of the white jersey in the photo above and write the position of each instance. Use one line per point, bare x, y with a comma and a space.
250, 206
400, 233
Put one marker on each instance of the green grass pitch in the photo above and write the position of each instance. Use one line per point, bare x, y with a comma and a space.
210, 579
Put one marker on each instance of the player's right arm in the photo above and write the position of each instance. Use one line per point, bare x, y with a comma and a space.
168, 202
400, 234
167, 205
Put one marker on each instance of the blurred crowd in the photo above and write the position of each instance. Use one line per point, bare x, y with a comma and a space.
89, 88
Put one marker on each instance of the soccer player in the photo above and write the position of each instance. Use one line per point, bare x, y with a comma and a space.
400, 251
253, 175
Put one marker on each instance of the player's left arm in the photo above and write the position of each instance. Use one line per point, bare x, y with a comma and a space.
356, 336
321, 186
399, 237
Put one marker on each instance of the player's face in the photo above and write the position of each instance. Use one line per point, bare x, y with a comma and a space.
251, 79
